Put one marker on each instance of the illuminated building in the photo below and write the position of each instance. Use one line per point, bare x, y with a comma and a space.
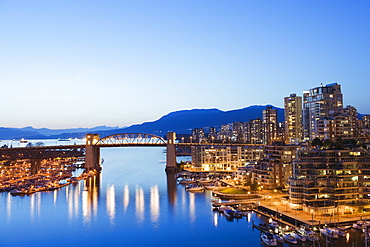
269, 124
330, 180
198, 135
275, 167
254, 131
342, 124
319, 103
293, 119
223, 158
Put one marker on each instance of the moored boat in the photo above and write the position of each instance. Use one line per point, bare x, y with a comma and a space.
196, 189
309, 234
298, 236
273, 224
278, 238
268, 239
359, 224
329, 233
289, 238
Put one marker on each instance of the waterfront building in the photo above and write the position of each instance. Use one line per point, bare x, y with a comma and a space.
269, 124
319, 103
329, 181
223, 158
293, 119
275, 167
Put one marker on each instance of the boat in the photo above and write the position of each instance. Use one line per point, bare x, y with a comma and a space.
229, 213
196, 189
340, 232
23, 140
238, 214
298, 236
273, 224
16, 192
268, 239
185, 181
309, 234
211, 187
64, 140
205, 182
278, 238
287, 236
329, 233
359, 225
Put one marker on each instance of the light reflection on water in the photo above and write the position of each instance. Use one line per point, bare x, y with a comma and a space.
131, 203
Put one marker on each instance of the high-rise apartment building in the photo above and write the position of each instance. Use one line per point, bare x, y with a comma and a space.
270, 125
319, 103
254, 131
293, 119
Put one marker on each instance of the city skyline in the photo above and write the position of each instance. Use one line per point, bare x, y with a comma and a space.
71, 64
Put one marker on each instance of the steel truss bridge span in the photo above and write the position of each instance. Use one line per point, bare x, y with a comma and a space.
131, 139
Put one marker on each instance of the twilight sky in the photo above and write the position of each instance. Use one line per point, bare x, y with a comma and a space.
83, 63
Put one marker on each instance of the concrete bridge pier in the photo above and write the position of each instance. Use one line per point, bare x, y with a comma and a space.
92, 156
171, 151
35, 166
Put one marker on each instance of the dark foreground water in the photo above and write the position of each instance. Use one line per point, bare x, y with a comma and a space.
132, 203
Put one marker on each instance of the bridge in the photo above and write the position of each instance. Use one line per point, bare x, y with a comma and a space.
91, 150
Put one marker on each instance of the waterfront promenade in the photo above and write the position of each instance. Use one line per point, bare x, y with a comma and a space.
274, 204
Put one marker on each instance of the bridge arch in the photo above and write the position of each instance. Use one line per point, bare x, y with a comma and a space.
131, 139
94, 142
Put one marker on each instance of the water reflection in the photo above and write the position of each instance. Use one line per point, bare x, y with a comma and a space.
111, 204
126, 198
215, 219
171, 187
192, 207
9, 207
154, 204
139, 204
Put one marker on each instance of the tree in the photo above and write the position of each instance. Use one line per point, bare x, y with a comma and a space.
316, 142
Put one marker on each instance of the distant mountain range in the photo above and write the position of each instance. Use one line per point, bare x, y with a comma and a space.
181, 122
184, 121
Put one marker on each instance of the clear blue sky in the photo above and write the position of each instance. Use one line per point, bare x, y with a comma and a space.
85, 63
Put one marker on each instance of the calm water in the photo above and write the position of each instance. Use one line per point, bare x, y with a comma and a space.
131, 203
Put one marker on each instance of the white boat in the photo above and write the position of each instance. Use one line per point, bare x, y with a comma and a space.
229, 214
273, 224
289, 238
340, 232
299, 236
23, 140
359, 224
268, 239
309, 234
329, 233
278, 238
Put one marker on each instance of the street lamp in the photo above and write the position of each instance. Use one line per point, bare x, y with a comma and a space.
311, 216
